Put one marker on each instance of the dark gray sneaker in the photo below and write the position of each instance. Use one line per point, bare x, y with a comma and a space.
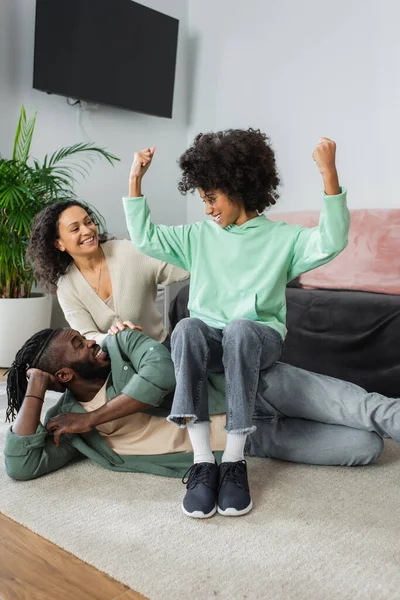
233, 491
200, 501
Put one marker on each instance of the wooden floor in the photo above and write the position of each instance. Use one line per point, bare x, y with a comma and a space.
32, 568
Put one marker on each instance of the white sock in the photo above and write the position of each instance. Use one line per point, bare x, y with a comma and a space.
199, 434
234, 449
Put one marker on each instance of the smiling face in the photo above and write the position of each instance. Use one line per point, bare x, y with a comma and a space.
77, 233
83, 356
222, 210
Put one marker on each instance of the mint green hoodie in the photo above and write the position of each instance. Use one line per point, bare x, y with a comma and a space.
241, 271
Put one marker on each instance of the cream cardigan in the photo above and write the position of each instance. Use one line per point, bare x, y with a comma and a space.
134, 279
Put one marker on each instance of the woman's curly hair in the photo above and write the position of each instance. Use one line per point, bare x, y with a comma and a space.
49, 263
239, 162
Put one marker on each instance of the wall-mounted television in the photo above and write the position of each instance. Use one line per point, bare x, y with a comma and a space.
113, 52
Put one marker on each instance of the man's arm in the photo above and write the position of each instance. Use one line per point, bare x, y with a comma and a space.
28, 417
29, 451
153, 379
120, 406
154, 376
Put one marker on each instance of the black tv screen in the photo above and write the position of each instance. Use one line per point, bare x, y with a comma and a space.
114, 52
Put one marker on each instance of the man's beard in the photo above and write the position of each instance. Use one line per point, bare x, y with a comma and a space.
88, 371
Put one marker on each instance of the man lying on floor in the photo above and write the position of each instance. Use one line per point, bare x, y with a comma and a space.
116, 399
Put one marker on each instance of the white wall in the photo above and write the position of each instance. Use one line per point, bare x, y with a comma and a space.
121, 132
299, 70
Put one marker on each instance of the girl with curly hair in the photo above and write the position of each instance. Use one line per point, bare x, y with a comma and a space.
103, 285
240, 263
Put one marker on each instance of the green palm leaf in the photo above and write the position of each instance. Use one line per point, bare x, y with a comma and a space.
88, 148
12, 197
23, 137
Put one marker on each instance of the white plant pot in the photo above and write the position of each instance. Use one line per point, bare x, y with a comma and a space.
20, 318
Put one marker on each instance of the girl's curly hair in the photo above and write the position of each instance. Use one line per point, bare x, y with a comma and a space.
49, 263
239, 162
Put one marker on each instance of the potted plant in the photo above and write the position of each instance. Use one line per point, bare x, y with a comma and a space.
26, 187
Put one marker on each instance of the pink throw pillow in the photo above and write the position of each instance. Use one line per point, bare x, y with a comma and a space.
371, 261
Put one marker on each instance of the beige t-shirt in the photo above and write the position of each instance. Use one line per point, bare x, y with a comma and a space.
142, 434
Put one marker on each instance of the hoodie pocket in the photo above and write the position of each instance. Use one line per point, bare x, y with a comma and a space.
224, 306
234, 304
239, 305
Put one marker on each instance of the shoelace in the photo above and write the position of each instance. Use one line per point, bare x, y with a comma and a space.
198, 473
233, 473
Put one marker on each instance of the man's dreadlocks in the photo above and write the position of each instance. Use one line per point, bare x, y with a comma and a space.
35, 353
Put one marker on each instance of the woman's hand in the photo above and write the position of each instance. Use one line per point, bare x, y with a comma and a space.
121, 326
141, 162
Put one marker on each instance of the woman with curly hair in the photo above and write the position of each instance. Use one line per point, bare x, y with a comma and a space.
103, 285
240, 263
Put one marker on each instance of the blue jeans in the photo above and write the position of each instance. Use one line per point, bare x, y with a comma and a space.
241, 350
316, 419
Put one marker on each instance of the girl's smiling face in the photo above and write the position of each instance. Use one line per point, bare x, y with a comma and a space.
222, 210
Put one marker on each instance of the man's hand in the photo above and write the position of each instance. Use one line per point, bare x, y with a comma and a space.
141, 162
325, 157
121, 326
68, 423
47, 381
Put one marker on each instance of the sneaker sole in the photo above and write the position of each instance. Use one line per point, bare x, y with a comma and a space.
233, 512
197, 514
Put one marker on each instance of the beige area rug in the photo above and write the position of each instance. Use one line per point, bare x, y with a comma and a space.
315, 533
